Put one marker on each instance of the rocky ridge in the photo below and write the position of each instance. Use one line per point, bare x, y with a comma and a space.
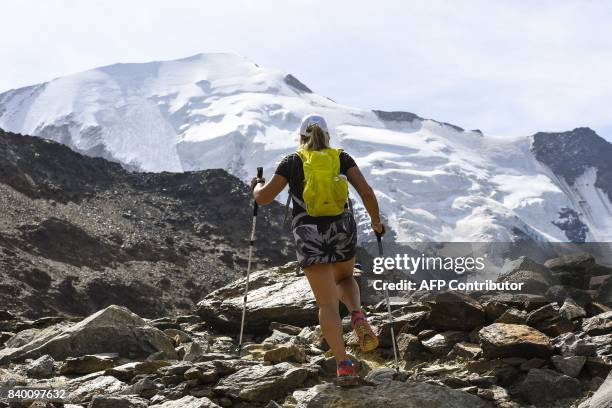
78, 233
480, 349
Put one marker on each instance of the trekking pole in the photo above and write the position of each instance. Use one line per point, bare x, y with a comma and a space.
380, 253
248, 274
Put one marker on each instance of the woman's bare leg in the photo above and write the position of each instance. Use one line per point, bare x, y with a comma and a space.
348, 290
323, 285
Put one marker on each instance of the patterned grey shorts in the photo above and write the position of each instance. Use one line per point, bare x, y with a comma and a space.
326, 243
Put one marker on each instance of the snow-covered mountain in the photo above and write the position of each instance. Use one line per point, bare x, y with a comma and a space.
434, 180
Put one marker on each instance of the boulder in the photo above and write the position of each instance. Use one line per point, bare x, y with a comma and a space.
111, 330
513, 316
409, 347
390, 394
262, 383
285, 328
98, 386
579, 263
522, 301
536, 278
467, 350
571, 365
604, 291
193, 351
413, 322
42, 367
571, 310
188, 402
600, 324
380, 375
442, 343
381, 326
128, 371
128, 401
603, 396
568, 344
543, 385
285, 352
5, 336
145, 388
455, 311
87, 364
9, 378
275, 294
278, 337
513, 340
542, 313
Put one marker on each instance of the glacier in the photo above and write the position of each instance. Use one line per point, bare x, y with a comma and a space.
435, 181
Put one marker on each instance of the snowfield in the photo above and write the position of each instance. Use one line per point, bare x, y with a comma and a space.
434, 181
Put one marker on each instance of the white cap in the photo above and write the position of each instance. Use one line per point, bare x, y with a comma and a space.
311, 120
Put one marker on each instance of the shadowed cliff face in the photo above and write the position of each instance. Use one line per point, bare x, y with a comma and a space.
570, 154
79, 233
583, 161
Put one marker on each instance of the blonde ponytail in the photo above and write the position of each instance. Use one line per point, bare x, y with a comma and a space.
315, 138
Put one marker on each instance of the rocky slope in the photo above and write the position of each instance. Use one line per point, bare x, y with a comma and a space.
435, 181
79, 233
483, 349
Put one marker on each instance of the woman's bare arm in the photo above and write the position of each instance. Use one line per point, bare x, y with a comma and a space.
266, 193
365, 192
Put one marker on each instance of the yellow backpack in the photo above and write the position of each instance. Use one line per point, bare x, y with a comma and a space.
325, 189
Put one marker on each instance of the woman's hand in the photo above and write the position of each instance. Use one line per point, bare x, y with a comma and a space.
378, 228
255, 181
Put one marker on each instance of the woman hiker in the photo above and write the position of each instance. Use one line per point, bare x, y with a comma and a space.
326, 243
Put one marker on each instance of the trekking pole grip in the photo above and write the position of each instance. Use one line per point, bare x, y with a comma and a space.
259, 176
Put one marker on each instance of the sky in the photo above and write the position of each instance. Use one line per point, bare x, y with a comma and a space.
505, 67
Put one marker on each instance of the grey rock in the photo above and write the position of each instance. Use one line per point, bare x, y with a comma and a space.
278, 337
87, 364
570, 366
571, 310
188, 402
579, 263
455, 311
41, 367
513, 316
98, 386
466, 350
178, 335
442, 343
545, 385
391, 394
536, 278
193, 351
262, 383
603, 396
111, 330
144, 387
513, 340
568, 344
285, 328
23, 337
126, 372
380, 375
285, 352
118, 402
409, 347
600, 324
5, 336
542, 313
275, 294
